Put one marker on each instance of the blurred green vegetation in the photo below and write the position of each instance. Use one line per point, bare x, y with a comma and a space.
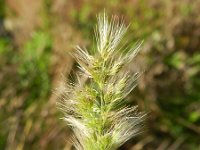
33, 54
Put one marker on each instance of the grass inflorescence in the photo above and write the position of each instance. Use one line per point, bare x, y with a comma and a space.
93, 105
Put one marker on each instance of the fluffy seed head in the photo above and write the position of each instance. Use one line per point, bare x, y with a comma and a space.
95, 108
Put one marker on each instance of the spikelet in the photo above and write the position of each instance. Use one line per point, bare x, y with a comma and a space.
95, 109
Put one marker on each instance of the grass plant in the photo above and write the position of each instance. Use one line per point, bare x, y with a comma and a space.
94, 104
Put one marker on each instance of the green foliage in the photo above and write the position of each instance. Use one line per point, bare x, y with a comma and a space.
34, 65
28, 71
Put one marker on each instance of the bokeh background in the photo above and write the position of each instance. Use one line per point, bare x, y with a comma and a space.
35, 38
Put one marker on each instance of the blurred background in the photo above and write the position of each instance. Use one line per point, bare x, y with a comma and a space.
35, 38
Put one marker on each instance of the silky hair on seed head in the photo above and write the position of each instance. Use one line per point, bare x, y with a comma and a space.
94, 104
